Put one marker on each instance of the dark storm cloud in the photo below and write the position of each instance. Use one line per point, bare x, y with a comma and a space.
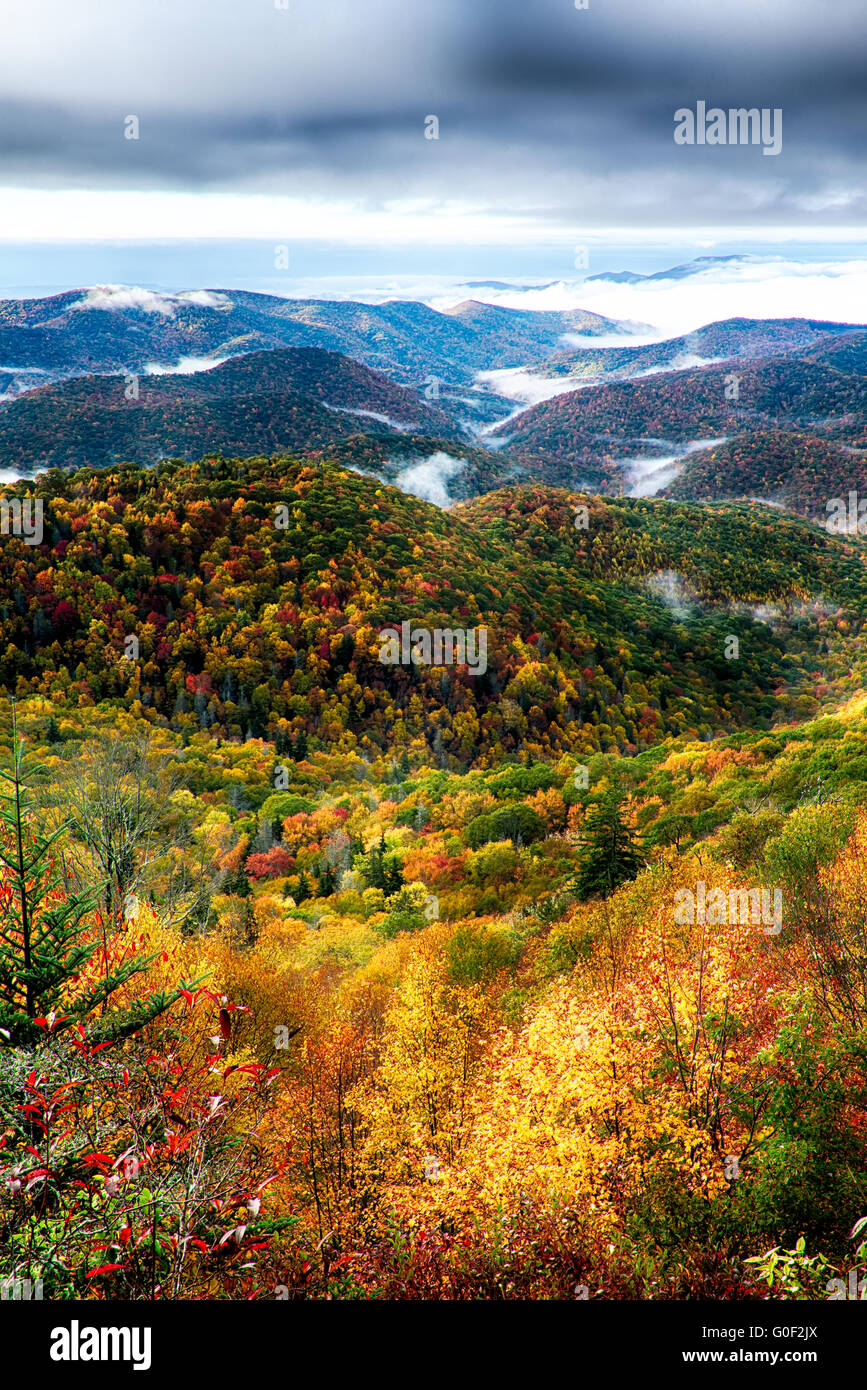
564, 113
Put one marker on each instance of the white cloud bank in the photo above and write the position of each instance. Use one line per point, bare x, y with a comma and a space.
429, 477
518, 385
758, 288
186, 366
121, 297
647, 476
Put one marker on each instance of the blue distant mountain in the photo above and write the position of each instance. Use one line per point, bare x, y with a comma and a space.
678, 272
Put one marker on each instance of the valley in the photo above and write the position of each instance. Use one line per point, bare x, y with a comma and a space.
396, 675
479, 382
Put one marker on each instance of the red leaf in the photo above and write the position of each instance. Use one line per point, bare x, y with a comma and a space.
101, 1161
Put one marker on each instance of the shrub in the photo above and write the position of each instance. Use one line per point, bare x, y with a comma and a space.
518, 823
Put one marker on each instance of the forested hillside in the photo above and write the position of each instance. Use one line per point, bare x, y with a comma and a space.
792, 393
402, 902
433, 687
110, 328
729, 339
435, 1033
293, 399
257, 591
796, 471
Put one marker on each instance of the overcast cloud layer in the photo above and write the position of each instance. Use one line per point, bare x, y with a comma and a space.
552, 119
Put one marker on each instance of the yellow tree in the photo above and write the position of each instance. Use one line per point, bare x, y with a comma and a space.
417, 1107
622, 1078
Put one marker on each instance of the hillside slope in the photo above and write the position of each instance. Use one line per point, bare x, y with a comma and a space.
294, 398
114, 328
730, 339
796, 471
609, 637
580, 434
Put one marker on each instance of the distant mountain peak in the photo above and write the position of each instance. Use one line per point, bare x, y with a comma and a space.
503, 285
677, 272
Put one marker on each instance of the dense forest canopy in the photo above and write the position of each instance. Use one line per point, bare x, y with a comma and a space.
325, 976
256, 593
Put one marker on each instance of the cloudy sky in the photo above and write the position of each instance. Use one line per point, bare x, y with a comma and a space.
307, 123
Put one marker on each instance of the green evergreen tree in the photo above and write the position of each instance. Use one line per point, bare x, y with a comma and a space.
374, 869
609, 855
48, 934
326, 879
237, 884
393, 875
249, 926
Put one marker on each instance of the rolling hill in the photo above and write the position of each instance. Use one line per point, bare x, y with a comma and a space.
292, 398
791, 470
582, 435
609, 637
728, 340
114, 328
636, 404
